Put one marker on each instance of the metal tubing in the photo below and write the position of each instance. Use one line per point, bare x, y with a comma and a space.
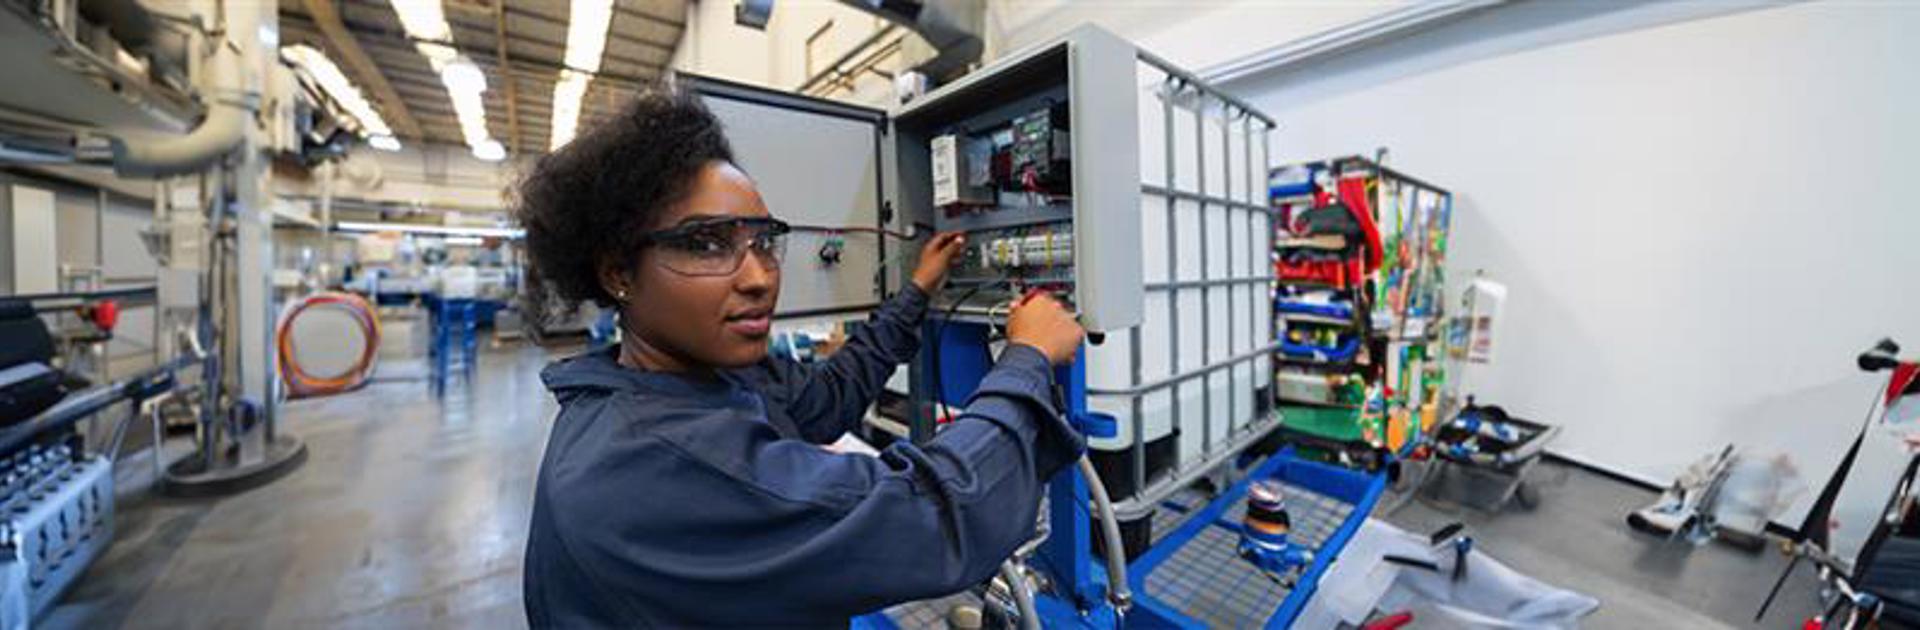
1226, 179
1187, 375
1216, 282
1118, 592
1022, 595
1145, 501
228, 112
1206, 292
1195, 82
856, 50
1218, 201
1173, 301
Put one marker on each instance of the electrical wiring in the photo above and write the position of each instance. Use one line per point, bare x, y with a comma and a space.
940, 331
920, 230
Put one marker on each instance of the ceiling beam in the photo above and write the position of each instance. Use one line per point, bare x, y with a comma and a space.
327, 20
643, 15
506, 66
612, 35
459, 19
405, 77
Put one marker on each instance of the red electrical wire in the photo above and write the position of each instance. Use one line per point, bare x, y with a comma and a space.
299, 382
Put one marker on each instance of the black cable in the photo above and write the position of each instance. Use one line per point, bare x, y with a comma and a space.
940, 332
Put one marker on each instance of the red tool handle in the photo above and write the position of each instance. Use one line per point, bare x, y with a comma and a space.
1390, 622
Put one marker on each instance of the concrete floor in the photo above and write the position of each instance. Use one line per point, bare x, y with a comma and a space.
411, 513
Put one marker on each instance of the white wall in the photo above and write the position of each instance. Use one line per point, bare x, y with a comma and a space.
1193, 34
777, 57
1702, 215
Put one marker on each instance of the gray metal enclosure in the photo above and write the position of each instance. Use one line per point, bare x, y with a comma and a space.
817, 164
1167, 217
1171, 232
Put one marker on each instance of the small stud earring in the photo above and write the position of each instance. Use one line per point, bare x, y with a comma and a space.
620, 295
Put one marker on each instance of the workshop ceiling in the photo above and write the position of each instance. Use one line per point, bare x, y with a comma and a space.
521, 66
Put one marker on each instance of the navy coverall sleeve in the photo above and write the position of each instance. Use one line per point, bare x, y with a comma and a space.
827, 399
739, 527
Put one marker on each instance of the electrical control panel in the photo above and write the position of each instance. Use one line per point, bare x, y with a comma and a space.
996, 155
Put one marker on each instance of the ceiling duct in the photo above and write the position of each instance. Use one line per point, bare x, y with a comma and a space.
231, 104
951, 27
129, 22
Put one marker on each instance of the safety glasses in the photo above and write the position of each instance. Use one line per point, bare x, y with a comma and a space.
714, 247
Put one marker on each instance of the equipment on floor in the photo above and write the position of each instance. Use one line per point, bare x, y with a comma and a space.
1686, 507
28, 382
57, 492
1481, 458
1881, 586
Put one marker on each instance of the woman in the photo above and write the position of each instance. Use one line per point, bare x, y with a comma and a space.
683, 484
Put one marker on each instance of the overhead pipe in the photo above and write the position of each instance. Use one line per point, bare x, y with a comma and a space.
129, 22
231, 105
952, 27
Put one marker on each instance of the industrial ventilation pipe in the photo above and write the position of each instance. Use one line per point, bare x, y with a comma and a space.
951, 27
231, 103
129, 22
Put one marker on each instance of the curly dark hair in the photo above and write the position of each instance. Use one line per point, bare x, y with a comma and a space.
588, 203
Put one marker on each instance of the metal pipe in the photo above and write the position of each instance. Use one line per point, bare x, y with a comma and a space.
1022, 594
1206, 293
1145, 501
231, 106
953, 28
856, 50
1173, 300
1194, 82
1218, 201
1187, 375
1118, 592
125, 19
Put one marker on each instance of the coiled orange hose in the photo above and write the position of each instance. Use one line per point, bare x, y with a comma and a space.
301, 384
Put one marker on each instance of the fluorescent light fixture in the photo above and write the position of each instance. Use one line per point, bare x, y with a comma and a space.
337, 87
587, 24
469, 241
423, 19
462, 77
426, 23
383, 143
490, 150
587, 33
568, 95
421, 228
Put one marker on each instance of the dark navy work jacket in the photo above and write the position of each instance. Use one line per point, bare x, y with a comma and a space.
666, 501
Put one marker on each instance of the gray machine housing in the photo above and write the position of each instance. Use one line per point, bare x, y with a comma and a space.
1165, 213
823, 163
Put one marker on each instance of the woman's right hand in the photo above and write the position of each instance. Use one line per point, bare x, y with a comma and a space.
1041, 322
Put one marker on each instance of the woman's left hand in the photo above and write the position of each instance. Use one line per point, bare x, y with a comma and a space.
936, 259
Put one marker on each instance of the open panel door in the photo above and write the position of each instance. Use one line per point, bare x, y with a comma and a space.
818, 165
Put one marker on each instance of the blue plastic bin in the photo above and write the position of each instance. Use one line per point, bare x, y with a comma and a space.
1194, 577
